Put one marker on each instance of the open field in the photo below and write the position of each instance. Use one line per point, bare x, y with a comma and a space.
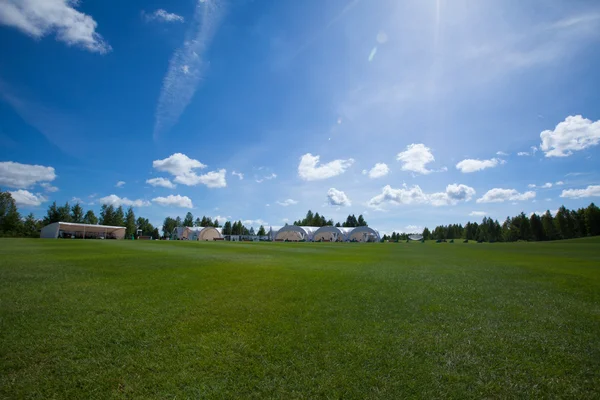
122, 319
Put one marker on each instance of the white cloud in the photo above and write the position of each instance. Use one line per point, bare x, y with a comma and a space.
498, 195
22, 176
532, 185
470, 165
415, 158
454, 194
238, 174
559, 183
162, 16
120, 184
523, 154
309, 170
534, 150
25, 198
38, 18
541, 213
546, 185
117, 201
178, 164
501, 153
255, 223
266, 178
477, 214
573, 134
338, 198
179, 85
162, 182
378, 171
182, 167
590, 191
48, 187
288, 202
176, 201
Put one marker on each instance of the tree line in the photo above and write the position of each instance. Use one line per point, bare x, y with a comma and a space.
566, 224
12, 224
319, 220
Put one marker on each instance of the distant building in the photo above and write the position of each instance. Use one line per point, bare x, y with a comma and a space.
72, 230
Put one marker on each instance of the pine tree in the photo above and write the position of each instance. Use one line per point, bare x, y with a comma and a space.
107, 215
64, 213
52, 214
119, 217
30, 226
261, 231
90, 218
198, 223
188, 220
592, 220
10, 219
130, 225
77, 213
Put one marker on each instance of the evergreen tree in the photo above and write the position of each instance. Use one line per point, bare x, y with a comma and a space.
188, 220
10, 219
361, 221
31, 226
216, 223
169, 226
261, 231
178, 221
107, 215
130, 225
227, 228
119, 217
592, 220
549, 226
426, 234
338, 225
251, 232
537, 228
64, 213
197, 223
52, 214
155, 234
77, 213
90, 218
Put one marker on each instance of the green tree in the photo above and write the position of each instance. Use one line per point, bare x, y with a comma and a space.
426, 234
10, 219
251, 231
361, 221
90, 218
130, 225
537, 227
548, 226
31, 226
107, 215
188, 220
52, 214
261, 231
197, 223
155, 234
227, 228
64, 213
77, 213
169, 226
216, 223
338, 225
592, 220
119, 217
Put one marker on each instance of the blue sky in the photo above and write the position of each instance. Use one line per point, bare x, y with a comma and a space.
412, 113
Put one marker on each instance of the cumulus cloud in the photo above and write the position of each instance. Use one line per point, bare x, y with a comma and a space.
48, 187
23, 176
117, 201
174, 201
187, 66
238, 174
337, 198
415, 158
559, 183
477, 214
162, 16
120, 184
573, 134
378, 171
454, 194
309, 170
38, 18
24, 198
162, 182
470, 165
590, 191
547, 185
288, 202
183, 169
498, 195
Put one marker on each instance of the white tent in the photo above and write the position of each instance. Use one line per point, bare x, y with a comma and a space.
295, 233
364, 234
83, 231
332, 234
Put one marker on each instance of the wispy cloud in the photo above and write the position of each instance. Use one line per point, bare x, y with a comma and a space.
187, 66
162, 16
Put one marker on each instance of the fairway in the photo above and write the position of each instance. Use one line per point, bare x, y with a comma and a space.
159, 319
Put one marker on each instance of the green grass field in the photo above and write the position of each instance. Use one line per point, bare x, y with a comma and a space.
122, 319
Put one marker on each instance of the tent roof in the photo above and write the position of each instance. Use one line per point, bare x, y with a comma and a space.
78, 225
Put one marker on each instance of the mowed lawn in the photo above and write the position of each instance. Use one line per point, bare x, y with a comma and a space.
123, 319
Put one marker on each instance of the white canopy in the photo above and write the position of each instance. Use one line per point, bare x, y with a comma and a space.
55, 230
